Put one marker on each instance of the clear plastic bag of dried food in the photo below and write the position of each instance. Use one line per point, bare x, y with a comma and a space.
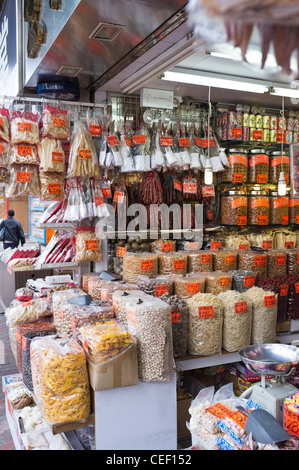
108, 288
264, 314
30, 311
65, 392
156, 286
173, 263
217, 282
95, 122
5, 151
163, 246
89, 315
135, 264
56, 123
185, 286
225, 260
24, 127
83, 159
200, 261
293, 261
51, 155
277, 262
242, 280
179, 321
61, 296
4, 125
119, 302
51, 186
24, 181
148, 320
88, 245
24, 294
24, 154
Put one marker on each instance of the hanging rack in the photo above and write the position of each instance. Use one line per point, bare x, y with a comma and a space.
41, 100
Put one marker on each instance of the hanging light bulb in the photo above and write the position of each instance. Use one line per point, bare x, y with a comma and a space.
208, 172
282, 185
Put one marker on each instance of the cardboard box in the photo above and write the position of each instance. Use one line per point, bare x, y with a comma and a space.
120, 371
183, 416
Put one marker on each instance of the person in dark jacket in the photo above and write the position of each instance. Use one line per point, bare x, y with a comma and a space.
13, 231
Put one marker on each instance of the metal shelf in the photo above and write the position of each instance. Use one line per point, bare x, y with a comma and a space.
58, 265
57, 226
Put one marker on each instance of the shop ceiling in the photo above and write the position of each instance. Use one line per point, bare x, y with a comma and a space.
106, 43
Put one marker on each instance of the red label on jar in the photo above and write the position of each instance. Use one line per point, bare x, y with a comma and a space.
280, 260
258, 159
282, 201
206, 312
260, 202
237, 177
241, 307
269, 301
238, 159
242, 220
279, 160
262, 179
297, 287
284, 220
239, 202
262, 220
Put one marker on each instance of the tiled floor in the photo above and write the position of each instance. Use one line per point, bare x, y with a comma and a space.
8, 368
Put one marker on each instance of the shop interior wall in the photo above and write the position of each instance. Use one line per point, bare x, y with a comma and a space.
21, 208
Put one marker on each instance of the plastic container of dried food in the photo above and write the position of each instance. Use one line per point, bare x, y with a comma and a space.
237, 170
179, 322
277, 165
173, 263
258, 166
199, 261
279, 209
237, 320
258, 208
136, 264
225, 260
217, 282
156, 286
185, 286
205, 325
234, 208
94, 285
254, 261
294, 211
277, 262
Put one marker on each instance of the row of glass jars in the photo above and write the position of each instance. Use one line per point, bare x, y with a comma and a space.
255, 166
258, 207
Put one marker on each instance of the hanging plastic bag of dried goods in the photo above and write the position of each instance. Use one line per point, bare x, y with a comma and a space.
83, 159
88, 245
5, 150
51, 155
4, 125
116, 157
60, 249
73, 198
176, 148
24, 181
95, 122
86, 188
56, 123
51, 186
126, 149
166, 142
141, 148
157, 157
24, 154
185, 149
194, 151
24, 127
100, 208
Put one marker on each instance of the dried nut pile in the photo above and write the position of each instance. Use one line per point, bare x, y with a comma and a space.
234, 210
179, 320
254, 261
264, 315
173, 263
277, 262
119, 303
225, 260
149, 321
293, 261
217, 282
205, 325
199, 261
156, 286
185, 286
136, 264
237, 320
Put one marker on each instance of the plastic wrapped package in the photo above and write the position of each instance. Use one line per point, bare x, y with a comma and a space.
163, 246
28, 328
173, 263
24, 128
264, 315
293, 261
94, 286
44, 440
217, 282
26, 312
56, 123
32, 419
24, 154
24, 294
205, 324
237, 320
199, 261
257, 262
179, 321
185, 286
61, 248
24, 181
88, 245
51, 186
22, 264
59, 298
279, 285
88, 315
5, 154
4, 174
156, 286
242, 280
83, 159
104, 340
149, 321
277, 262
41, 329
65, 393
108, 288
136, 264
85, 278
119, 303
4, 125
51, 155
225, 260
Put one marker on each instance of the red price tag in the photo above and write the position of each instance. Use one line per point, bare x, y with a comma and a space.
57, 157
237, 177
206, 259
192, 246
242, 220
59, 122
112, 140
224, 281
24, 150
262, 179
84, 154
23, 176
290, 420
98, 200
215, 245
128, 141
139, 139
193, 287
166, 247
184, 142
95, 130
190, 188
249, 281
121, 251
230, 259
178, 185
24, 127
280, 260
54, 188
91, 244
260, 261
289, 244
243, 246
267, 244
119, 196
262, 220
284, 290
160, 290
106, 191
208, 191
206, 312
176, 315
269, 301
147, 265
166, 141
241, 307
179, 264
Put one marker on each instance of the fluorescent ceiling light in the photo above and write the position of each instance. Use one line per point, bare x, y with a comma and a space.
212, 80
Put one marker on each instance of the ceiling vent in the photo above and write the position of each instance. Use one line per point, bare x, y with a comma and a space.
106, 31
69, 71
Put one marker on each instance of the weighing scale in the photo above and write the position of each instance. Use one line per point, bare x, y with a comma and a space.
278, 361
